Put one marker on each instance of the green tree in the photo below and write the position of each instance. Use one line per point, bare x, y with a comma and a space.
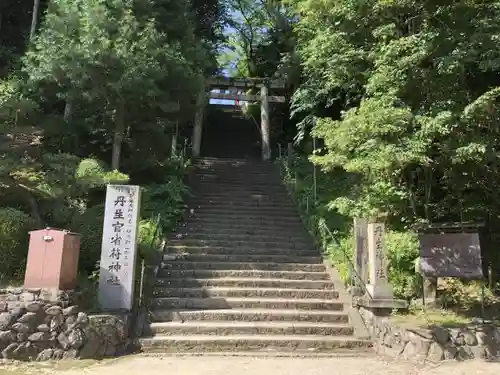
404, 95
116, 58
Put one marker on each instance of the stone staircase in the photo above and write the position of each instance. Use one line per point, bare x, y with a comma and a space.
246, 277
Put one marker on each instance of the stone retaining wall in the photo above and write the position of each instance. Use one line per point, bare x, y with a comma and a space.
433, 344
32, 328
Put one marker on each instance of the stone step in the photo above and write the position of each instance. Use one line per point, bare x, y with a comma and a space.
194, 223
257, 170
254, 169
188, 241
243, 197
246, 258
215, 230
236, 167
235, 210
183, 265
203, 203
239, 186
248, 194
245, 303
236, 282
226, 328
261, 220
250, 315
242, 172
248, 237
208, 343
248, 227
221, 250
209, 187
233, 164
213, 159
242, 183
239, 292
255, 274
237, 177
243, 203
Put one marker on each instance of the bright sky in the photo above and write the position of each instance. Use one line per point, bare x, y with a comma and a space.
227, 31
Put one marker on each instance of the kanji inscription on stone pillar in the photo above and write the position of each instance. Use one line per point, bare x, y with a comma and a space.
379, 286
119, 247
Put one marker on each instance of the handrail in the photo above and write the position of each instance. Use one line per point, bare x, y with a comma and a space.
142, 280
354, 278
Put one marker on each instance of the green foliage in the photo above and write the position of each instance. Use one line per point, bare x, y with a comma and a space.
333, 232
100, 76
166, 199
14, 227
260, 33
403, 97
402, 251
409, 104
91, 173
466, 295
150, 239
90, 225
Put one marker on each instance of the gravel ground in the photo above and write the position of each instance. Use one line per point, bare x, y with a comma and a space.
213, 365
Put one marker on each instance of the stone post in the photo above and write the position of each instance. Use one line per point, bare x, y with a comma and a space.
430, 292
289, 154
264, 123
198, 122
379, 286
361, 252
380, 302
175, 136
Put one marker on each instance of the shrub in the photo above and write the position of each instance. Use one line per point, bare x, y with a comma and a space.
149, 239
89, 226
91, 173
14, 240
164, 199
402, 251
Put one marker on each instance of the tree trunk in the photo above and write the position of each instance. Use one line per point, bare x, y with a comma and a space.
34, 18
118, 136
31, 201
35, 211
68, 110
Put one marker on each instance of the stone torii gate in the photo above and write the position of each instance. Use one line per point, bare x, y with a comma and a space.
237, 87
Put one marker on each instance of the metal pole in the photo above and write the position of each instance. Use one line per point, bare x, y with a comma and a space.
483, 312
315, 184
141, 287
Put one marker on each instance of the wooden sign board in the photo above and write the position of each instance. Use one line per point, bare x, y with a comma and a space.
451, 255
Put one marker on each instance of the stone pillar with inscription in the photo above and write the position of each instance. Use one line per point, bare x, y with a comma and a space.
380, 301
119, 247
379, 286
